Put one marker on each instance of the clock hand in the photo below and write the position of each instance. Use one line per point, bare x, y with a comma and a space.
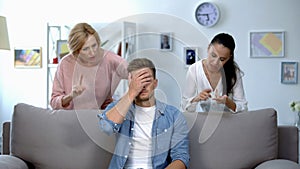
204, 14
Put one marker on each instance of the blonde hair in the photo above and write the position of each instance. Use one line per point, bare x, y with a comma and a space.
79, 35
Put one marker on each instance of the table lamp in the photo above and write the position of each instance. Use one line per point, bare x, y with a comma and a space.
4, 41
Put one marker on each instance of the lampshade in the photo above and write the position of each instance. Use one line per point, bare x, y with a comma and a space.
4, 41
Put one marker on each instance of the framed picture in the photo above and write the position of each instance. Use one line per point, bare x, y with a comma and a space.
190, 55
28, 57
266, 44
166, 41
61, 49
289, 72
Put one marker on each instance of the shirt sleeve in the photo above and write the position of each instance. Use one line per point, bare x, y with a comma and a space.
190, 90
180, 142
119, 71
58, 89
106, 125
239, 95
120, 66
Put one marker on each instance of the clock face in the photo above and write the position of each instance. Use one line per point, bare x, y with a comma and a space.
207, 14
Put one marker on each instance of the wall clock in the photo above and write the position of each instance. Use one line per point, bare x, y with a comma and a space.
207, 14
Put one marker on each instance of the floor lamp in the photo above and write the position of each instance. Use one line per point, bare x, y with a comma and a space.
4, 41
4, 44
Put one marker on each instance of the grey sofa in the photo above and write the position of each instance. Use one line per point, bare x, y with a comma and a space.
68, 139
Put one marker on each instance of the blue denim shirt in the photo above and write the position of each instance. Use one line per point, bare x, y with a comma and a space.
169, 136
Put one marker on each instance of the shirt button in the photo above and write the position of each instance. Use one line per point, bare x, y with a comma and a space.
129, 143
125, 156
165, 130
131, 129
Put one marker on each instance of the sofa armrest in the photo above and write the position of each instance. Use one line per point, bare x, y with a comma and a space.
6, 138
278, 164
12, 162
288, 143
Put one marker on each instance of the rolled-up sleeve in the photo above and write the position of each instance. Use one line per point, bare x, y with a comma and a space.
106, 125
180, 140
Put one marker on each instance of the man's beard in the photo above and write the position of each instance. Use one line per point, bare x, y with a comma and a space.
142, 99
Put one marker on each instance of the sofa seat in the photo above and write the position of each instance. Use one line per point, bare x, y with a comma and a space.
12, 162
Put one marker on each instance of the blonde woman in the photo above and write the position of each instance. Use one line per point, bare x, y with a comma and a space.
88, 76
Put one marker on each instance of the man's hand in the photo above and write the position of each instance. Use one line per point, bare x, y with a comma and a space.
137, 81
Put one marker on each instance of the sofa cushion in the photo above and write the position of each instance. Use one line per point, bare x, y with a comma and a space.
65, 139
278, 164
241, 140
11, 162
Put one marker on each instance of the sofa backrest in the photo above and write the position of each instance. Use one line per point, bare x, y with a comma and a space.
69, 139
59, 139
241, 140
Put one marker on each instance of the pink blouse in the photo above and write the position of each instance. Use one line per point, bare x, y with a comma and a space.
100, 81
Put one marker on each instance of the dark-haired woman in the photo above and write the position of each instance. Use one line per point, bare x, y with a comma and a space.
215, 80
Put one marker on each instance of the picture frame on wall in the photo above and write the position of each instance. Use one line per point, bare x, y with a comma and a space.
190, 55
289, 72
29, 57
266, 44
61, 49
166, 41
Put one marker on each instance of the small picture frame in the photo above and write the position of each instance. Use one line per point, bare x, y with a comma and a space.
29, 57
61, 49
190, 55
266, 44
166, 41
289, 72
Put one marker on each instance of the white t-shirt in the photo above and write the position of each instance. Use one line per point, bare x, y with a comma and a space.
141, 150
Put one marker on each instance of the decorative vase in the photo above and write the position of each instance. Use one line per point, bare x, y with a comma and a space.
298, 119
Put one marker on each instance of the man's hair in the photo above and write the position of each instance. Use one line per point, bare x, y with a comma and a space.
140, 63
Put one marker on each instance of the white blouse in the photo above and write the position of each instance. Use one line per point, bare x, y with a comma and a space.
196, 81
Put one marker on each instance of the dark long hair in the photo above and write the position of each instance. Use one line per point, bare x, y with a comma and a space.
230, 67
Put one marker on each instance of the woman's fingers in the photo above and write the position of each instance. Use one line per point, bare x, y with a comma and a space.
80, 80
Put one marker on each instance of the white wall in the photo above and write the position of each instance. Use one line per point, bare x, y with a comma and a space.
27, 23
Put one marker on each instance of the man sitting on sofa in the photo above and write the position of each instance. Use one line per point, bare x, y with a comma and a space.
150, 134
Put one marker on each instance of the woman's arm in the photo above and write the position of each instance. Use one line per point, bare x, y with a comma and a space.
190, 91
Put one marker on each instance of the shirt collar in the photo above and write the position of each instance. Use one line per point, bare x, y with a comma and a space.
159, 110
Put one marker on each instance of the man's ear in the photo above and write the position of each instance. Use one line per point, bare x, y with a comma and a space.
155, 83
